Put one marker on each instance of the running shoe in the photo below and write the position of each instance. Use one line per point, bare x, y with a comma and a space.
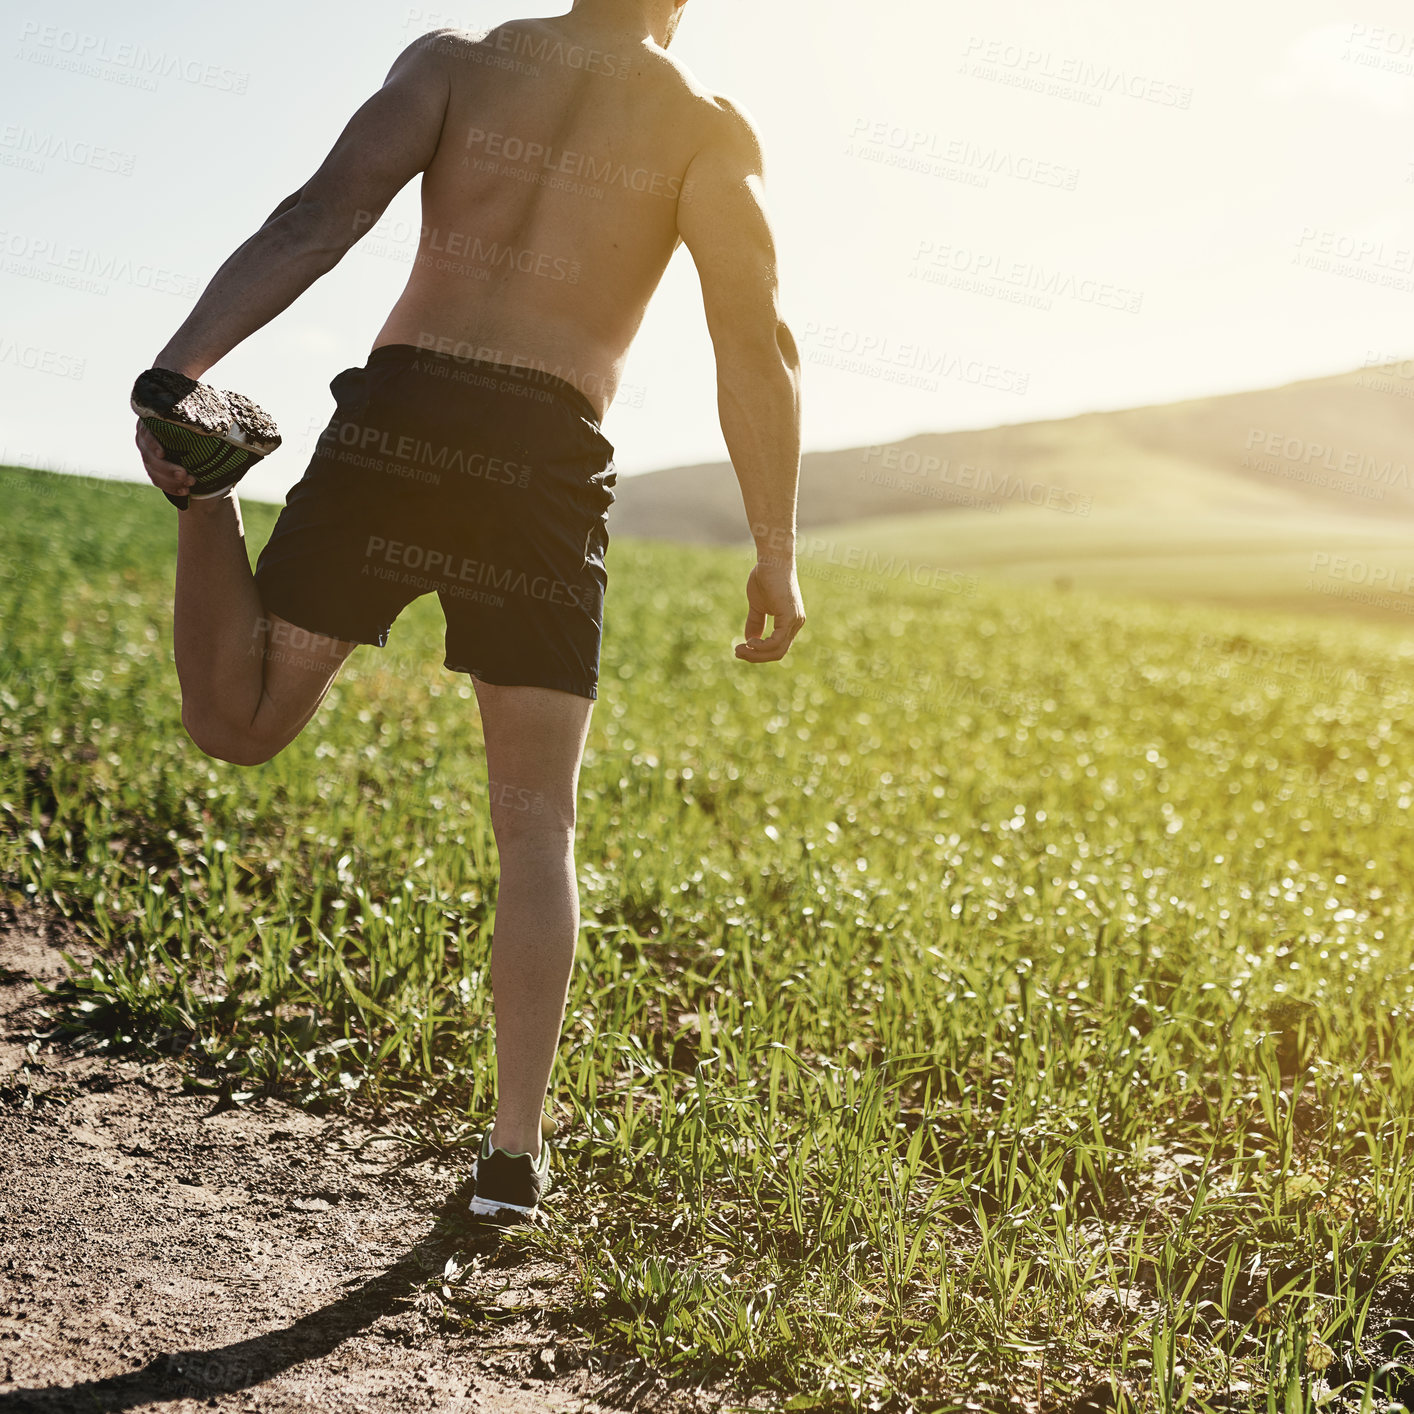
509, 1186
217, 436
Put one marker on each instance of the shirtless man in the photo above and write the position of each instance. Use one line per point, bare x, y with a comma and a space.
563, 161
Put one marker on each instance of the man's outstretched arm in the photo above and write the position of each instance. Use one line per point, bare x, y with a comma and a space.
722, 220
391, 139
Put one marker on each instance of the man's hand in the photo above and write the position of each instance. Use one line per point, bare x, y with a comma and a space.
772, 590
165, 475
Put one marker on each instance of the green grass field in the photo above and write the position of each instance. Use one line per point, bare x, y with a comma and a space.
1309, 562
1010, 992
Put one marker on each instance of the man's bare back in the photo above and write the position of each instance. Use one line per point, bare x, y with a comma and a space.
550, 210
562, 162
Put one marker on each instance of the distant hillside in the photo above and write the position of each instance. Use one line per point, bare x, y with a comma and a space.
1342, 445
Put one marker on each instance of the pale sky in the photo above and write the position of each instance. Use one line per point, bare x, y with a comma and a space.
987, 213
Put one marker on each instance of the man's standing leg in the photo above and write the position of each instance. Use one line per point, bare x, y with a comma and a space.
535, 740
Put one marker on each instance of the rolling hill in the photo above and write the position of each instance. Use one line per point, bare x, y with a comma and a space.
1297, 497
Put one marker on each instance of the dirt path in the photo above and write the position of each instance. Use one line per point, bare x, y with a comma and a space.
160, 1253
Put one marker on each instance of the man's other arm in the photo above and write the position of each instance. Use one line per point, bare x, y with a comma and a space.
723, 222
392, 138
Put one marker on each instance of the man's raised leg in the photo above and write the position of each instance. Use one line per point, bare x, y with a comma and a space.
250, 680
534, 743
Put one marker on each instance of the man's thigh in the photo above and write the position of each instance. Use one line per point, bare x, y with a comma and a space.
535, 738
300, 668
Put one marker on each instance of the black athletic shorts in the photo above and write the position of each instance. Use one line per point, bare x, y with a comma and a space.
485, 485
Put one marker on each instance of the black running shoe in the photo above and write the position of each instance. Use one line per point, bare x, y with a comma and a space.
509, 1186
216, 436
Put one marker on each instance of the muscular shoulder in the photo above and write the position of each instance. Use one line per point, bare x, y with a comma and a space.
435, 41
727, 142
733, 130
426, 60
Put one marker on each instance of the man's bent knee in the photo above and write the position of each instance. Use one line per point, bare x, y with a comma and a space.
224, 742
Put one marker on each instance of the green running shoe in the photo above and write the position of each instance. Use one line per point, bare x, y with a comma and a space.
509, 1186
216, 436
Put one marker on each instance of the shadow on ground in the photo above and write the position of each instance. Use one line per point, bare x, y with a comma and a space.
199, 1374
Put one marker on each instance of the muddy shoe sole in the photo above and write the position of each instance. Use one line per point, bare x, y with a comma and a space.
216, 436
